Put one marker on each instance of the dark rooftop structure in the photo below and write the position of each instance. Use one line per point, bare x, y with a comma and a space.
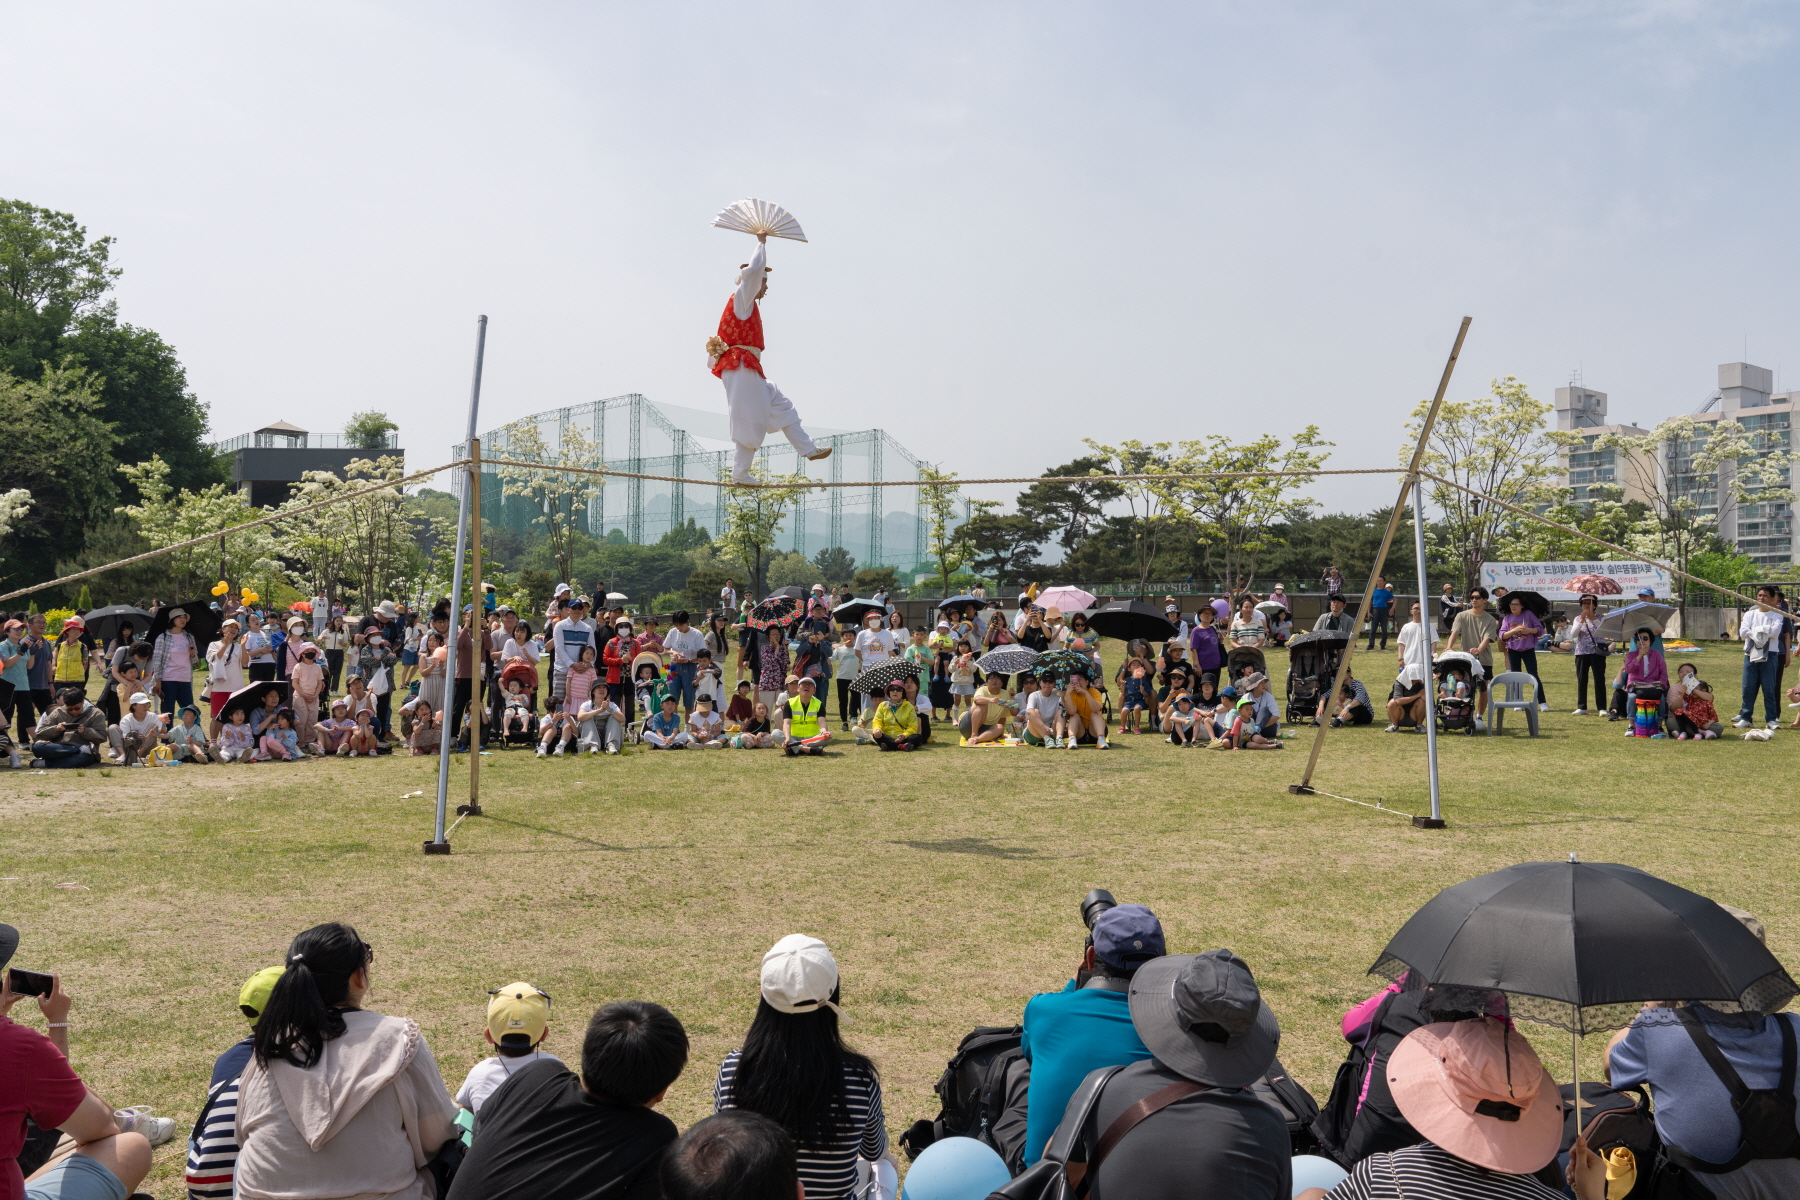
270, 462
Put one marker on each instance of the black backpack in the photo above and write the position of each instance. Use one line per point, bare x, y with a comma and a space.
981, 1095
1614, 1118
1294, 1103
1348, 1134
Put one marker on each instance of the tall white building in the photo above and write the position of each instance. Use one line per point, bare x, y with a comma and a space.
1763, 532
1583, 410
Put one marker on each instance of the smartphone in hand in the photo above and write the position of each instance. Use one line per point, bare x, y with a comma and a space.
29, 983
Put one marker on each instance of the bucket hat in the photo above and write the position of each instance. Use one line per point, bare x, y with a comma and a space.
1479, 1091
1204, 1018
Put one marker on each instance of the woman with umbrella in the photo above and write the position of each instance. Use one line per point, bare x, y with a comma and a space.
1520, 630
173, 658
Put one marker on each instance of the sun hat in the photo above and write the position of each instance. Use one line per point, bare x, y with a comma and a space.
340, 702
1127, 935
955, 1168
139, 698
562, 589
253, 997
386, 608
1203, 1017
799, 975
1470, 1091
75, 622
792, 679
518, 1011
230, 621
1171, 608
1254, 678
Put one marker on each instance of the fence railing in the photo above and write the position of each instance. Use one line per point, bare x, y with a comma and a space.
302, 441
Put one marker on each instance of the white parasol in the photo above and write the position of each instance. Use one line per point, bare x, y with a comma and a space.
760, 218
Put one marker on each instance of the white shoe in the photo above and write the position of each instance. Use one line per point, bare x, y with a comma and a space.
612, 749
560, 747
138, 1119
1740, 723
17, 762
1101, 743
1543, 708
1480, 725
1071, 743
1579, 712
743, 480
543, 750
1774, 724
821, 452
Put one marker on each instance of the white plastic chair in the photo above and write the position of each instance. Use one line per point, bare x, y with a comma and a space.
1514, 690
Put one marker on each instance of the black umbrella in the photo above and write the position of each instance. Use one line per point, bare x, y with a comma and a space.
202, 625
1534, 602
877, 677
1324, 642
961, 601
852, 612
1007, 660
249, 698
104, 623
1584, 945
1131, 619
793, 592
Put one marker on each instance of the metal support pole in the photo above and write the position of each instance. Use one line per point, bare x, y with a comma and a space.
439, 844
477, 636
1428, 627
1304, 787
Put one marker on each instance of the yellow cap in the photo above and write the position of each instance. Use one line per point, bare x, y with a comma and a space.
253, 997
518, 1009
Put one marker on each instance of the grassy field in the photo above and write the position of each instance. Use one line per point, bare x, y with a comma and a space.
946, 882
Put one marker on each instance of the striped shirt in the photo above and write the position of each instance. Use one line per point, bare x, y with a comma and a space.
212, 1146
829, 1171
1424, 1172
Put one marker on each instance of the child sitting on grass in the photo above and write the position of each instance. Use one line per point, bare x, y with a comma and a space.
334, 734
757, 733
663, 731
518, 1021
188, 737
363, 741
427, 736
280, 740
706, 729
138, 732
1184, 722
236, 742
743, 705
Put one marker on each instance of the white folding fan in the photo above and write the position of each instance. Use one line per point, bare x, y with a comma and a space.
760, 217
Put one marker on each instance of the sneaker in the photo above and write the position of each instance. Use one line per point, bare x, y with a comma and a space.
1543, 708
909, 748
17, 762
1101, 743
1071, 743
612, 749
1612, 716
1654, 736
1579, 712
1774, 725
1740, 723
37, 764
1480, 725
560, 747
543, 750
1393, 729
138, 1119
1681, 737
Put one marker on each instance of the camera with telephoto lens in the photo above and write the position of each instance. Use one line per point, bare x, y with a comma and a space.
1092, 905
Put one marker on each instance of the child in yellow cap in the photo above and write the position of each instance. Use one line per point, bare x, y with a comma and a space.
518, 1021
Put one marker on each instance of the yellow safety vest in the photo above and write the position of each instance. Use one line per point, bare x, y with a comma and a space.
803, 722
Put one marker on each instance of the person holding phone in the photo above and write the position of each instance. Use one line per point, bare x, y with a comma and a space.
37, 1081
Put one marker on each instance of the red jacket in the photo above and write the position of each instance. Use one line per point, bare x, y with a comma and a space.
618, 657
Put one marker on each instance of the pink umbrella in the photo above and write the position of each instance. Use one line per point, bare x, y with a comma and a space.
1069, 599
1599, 585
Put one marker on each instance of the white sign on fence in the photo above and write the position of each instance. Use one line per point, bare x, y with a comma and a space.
1554, 579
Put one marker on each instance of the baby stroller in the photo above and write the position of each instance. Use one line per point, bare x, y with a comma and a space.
1312, 667
1241, 657
527, 677
1456, 713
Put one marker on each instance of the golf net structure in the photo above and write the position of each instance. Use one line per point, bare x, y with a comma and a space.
1770, 994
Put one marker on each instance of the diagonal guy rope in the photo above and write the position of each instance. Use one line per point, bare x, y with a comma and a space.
418, 476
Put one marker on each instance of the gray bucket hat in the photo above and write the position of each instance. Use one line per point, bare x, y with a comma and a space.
1202, 1016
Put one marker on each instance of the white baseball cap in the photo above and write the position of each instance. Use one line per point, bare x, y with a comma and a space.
799, 975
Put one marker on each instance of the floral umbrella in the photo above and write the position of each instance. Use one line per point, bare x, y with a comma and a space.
776, 610
1060, 664
1599, 585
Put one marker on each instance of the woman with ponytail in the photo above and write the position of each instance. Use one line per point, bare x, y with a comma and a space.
337, 1101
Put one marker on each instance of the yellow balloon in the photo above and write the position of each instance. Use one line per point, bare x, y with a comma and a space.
222, 588
251, 597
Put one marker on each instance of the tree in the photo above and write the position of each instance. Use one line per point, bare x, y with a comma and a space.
870, 580
59, 448
368, 430
1496, 445
558, 491
1069, 510
166, 517
1235, 519
701, 591
1145, 498
372, 542
109, 541
790, 568
945, 539
690, 536
835, 564
1604, 515
1006, 547
1719, 462
49, 275
752, 518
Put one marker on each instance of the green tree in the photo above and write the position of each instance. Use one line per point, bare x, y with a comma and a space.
1496, 445
701, 591
559, 491
752, 518
368, 430
49, 274
109, 541
835, 564
167, 517
690, 536
1070, 510
371, 542
945, 537
870, 580
1235, 519
59, 448
1006, 546
1146, 500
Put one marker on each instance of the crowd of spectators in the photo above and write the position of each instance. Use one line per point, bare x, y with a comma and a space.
1150, 1074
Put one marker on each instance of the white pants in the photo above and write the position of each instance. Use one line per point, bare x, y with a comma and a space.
667, 743
758, 408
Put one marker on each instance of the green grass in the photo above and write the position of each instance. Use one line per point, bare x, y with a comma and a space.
947, 882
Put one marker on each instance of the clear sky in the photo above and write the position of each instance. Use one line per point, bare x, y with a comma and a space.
1030, 223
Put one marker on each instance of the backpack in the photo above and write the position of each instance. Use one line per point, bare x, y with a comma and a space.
1294, 1103
1353, 1126
981, 1095
1766, 1115
1614, 1119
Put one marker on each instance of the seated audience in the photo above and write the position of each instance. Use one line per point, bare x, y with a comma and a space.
1210, 1037
896, 722
71, 734
706, 728
212, 1146
795, 1069
337, 1101
546, 1134
732, 1155
1087, 1025
802, 717
518, 1021
663, 730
